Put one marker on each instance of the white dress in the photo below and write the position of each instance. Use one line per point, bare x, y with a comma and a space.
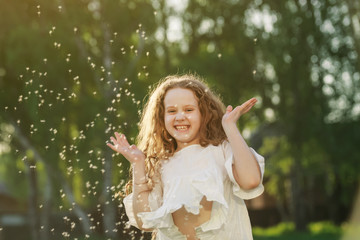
188, 176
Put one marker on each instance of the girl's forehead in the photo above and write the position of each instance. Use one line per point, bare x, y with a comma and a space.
177, 96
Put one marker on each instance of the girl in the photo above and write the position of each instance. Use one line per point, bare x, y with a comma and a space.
192, 168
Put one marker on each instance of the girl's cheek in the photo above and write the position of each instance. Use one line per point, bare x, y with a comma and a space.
168, 118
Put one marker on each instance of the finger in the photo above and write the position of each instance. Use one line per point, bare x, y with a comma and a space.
120, 144
114, 141
124, 141
121, 138
229, 108
237, 111
118, 136
112, 147
254, 100
251, 101
246, 108
116, 147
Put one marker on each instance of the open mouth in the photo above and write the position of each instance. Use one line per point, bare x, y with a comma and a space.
182, 127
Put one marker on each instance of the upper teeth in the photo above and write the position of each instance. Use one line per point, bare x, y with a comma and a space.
181, 127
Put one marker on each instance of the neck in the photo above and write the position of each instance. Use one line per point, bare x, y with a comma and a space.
184, 145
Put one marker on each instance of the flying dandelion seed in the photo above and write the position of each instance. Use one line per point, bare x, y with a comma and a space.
38, 10
65, 133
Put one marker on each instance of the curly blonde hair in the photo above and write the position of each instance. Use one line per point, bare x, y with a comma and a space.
154, 140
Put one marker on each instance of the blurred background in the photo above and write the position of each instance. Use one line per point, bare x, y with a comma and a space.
73, 72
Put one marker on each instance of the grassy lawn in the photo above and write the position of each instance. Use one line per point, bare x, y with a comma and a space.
300, 236
286, 231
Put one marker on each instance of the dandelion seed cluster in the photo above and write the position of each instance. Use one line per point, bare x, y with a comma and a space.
70, 158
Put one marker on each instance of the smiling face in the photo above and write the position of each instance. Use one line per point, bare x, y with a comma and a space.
182, 116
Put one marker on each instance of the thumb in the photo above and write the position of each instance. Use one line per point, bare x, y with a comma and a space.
229, 108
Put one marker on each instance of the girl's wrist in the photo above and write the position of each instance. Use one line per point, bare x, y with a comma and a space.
140, 179
228, 127
138, 165
139, 187
141, 183
138, 162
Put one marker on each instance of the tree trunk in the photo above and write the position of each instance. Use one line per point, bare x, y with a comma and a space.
108, 205
106, 201
82, 216
33, 205
354, 12
32, 200
46, 208
297, 194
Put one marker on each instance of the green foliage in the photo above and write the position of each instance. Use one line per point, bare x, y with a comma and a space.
280, 229
324, 228
286, 230
73, 72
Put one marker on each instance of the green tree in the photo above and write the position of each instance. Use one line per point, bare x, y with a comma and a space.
67, 85
309, 60
73, 72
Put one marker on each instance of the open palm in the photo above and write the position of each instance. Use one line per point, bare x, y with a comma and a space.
232, 115
122, 146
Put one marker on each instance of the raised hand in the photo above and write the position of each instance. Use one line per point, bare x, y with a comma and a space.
232, 116
122, 146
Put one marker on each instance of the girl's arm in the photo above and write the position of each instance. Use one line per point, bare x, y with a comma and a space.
245, 168
140, 187
140, 192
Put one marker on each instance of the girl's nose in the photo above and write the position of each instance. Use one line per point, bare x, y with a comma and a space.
180, 116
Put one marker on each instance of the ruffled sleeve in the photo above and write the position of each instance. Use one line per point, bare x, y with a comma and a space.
155, 201
128, 203
229, 161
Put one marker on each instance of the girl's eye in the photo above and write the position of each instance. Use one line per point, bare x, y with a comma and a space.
171, 111
189, 110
